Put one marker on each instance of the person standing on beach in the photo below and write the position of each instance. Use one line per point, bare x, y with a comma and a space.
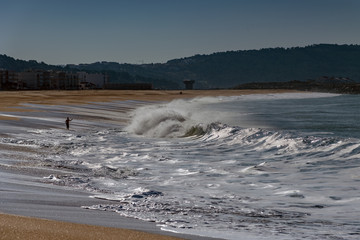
67, 122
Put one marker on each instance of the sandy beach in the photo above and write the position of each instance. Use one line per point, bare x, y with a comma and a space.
10, 99
17, 227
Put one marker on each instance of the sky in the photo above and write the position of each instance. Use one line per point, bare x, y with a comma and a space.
155, 31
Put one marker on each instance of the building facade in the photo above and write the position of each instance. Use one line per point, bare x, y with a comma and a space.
9, 80
92, 80
48, 80
61, 80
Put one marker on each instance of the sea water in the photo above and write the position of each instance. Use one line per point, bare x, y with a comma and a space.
270, 166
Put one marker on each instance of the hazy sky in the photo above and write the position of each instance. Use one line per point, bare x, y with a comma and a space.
153, 31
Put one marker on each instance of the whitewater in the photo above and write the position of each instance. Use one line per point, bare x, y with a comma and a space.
262, 166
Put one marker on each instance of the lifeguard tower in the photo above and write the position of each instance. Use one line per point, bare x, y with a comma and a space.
189, 84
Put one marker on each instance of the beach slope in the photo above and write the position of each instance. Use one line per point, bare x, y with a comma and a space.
69, 226
18, 227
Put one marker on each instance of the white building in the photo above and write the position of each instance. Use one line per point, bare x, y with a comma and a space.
48, 79
97, 80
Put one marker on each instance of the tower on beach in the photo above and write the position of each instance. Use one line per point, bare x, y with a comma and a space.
189, 84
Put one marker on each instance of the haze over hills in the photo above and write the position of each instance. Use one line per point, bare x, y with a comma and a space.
225, 69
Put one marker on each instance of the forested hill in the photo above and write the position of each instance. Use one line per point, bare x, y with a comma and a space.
18, 65
228, 69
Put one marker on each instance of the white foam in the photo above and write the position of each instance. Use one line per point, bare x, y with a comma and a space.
185, 172
230, 182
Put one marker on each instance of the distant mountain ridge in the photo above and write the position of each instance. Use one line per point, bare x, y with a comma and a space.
18, 65
227, 69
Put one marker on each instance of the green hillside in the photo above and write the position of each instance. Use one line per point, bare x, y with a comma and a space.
228, 69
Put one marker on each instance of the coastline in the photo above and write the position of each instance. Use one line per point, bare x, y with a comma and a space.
11, 99
53, 202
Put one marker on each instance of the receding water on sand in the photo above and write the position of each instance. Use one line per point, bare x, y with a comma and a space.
269, 166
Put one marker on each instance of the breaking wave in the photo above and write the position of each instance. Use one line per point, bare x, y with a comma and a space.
179, 118
197, 165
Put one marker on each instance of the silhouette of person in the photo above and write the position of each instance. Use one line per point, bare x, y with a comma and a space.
67, 122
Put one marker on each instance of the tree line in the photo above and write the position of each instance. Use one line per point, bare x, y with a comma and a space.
226, 69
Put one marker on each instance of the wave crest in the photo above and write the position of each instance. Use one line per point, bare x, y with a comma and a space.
154, 122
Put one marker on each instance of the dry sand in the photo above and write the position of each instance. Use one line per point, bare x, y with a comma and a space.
16, 227
11, 99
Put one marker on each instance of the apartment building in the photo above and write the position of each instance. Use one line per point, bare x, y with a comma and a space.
46, 80
95, 80
9, 80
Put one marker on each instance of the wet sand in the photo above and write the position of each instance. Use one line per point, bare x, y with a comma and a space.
18, 227
11, 99
52, 202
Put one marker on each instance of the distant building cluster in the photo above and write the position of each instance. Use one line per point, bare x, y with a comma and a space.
48, 79
60, 80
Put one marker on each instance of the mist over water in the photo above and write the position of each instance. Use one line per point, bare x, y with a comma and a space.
173, 119
301, 112
276, 166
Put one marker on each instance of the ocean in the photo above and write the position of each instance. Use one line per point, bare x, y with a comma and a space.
261, 166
